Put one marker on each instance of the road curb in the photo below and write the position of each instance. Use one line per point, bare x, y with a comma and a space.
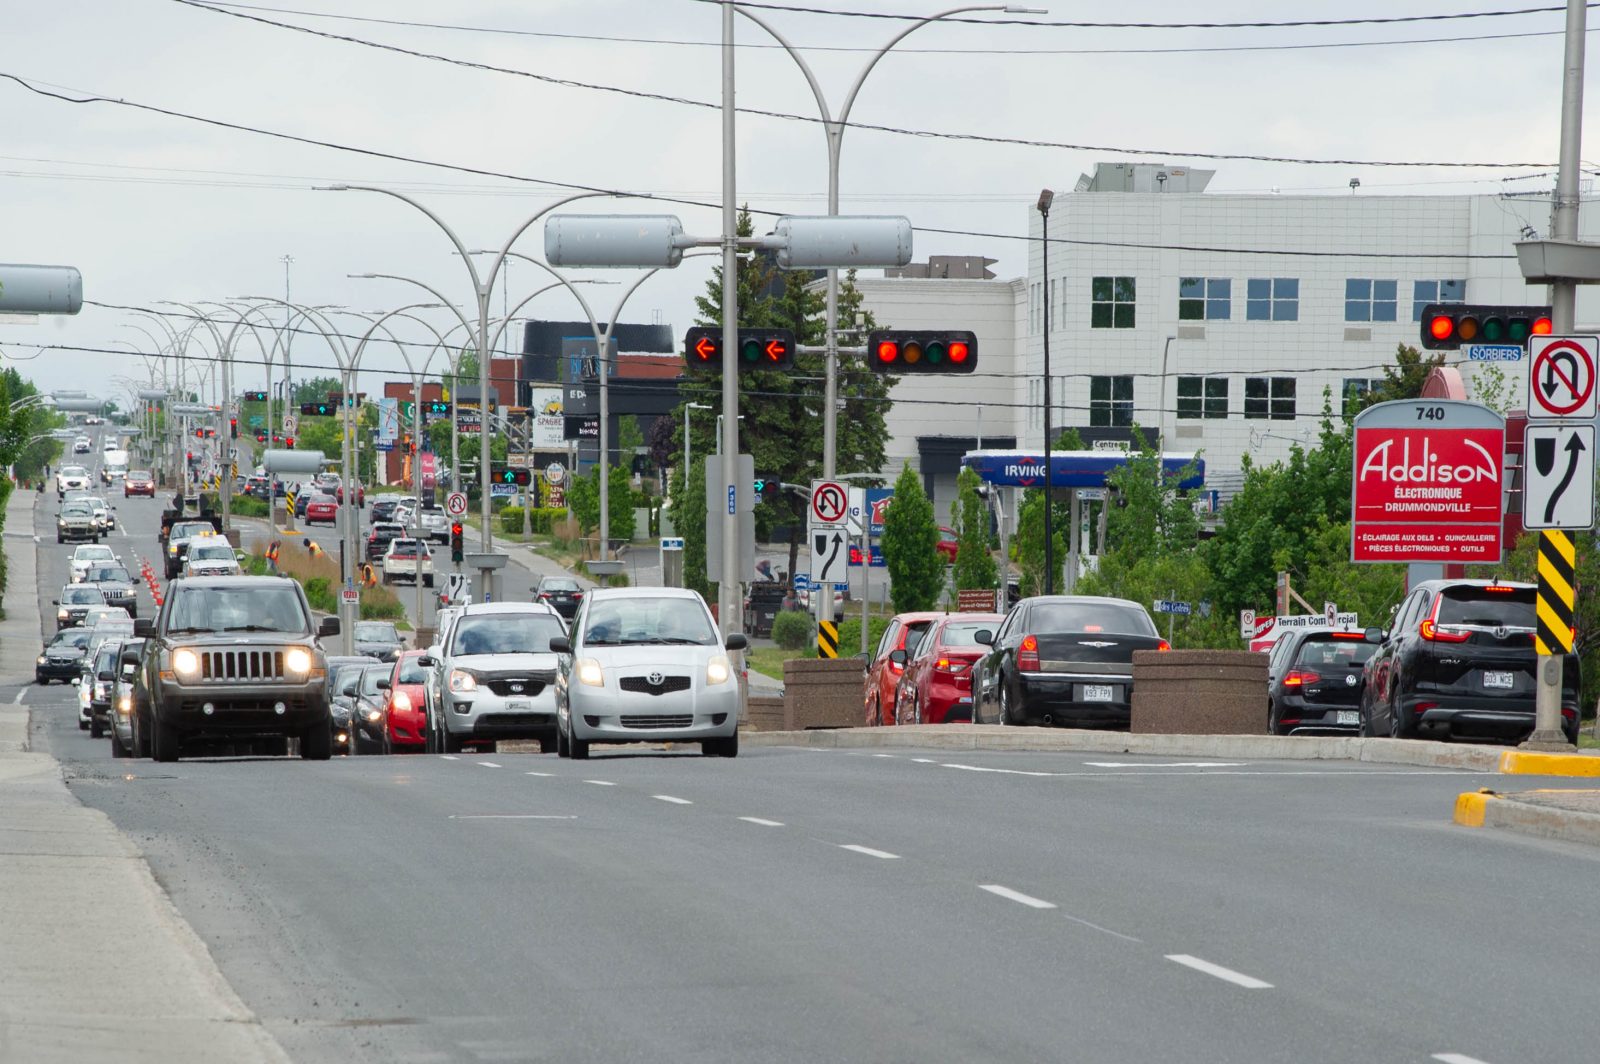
1521, 763
1485, 809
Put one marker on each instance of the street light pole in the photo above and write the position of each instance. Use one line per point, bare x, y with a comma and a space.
728, 615
1046, 197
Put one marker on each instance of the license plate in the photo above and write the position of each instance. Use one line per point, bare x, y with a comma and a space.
1099, 692
516, 704
1500, 681
1347, 716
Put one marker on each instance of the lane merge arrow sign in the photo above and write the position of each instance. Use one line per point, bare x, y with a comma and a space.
1558, 491
829, 558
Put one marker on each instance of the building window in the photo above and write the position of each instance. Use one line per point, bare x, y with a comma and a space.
1269, 397
1272, 299
1355, 390
1369, 300
1425, 292
1205, 299
1110, 401
1205, 397
1112, 303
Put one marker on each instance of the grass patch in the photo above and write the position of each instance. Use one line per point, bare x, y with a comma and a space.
769, 660
248, 506
1587, 741
320, 577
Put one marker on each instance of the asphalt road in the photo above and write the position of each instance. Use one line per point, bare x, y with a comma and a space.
813, 906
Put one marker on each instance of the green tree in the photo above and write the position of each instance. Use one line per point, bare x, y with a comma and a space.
975, 566
910, 546
1029, 543
583, 498
688, 510
1404, 379
1070, 440
316, 390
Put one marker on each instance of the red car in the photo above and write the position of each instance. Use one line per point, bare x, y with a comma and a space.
883, 675
408, 703
936, 687
322, 508
949, 542
361, 495
138, 482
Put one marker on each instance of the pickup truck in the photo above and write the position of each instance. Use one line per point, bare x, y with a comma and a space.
401, 561
233, 659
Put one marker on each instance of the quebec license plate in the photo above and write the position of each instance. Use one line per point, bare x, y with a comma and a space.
517, 705
1347, 716
1099, 692
1499, 681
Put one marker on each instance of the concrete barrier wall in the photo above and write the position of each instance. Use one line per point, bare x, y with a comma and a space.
822, 693
764, 713
1199, 692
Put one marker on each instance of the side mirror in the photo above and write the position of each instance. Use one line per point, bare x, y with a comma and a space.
427, 661
383, 684
897, 657
560, 644
144, 627
984, 636
328, 626
736, 641
1374, 635
55, 602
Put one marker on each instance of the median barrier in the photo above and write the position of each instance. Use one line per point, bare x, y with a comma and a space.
822, 693
764, 712
1199, 692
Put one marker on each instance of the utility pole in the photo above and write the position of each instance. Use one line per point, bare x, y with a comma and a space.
728, 613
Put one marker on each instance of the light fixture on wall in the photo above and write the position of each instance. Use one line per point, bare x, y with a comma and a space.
1355, 183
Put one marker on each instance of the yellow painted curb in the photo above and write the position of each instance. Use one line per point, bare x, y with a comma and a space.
1518, 763
1470, 807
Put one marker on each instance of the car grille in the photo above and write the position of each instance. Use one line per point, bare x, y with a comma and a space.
516, 687
657, 720
222, 666
642, 685
512, 724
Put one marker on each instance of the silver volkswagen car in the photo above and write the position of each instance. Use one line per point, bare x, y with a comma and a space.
646, 664
495, 671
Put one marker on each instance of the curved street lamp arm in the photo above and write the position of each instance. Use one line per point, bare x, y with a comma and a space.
425, 287
850, 97
794, 53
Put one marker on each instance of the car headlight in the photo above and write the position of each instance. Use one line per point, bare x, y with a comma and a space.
297, 659
172, 548
402, 701
372, 714
41, 660
718, 670
61, 615
461, 681
185, 663
590, 673
125, 705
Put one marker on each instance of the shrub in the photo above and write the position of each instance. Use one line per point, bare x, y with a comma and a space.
793, 629
850, 635
541, 519
248, 506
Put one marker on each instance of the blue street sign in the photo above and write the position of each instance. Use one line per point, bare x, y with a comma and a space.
1182, 609
1492, 352
802, 581
733, 495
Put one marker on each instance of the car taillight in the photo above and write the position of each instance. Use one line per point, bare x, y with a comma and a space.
1299, 678
1164, 645
1028, 655
577, 596
1429, 629
952, 667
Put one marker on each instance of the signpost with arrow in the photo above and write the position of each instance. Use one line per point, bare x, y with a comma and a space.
1558, 485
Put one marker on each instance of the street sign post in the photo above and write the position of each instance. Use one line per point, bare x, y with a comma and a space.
1561, 377
1558, 476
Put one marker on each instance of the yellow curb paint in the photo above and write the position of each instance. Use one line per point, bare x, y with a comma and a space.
1470, 807
1518, 763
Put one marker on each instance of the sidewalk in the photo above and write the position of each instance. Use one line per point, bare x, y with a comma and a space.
1567, 815
97, 964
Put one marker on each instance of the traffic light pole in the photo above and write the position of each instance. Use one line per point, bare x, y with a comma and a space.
728, 613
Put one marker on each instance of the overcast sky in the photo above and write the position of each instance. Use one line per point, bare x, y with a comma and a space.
152, 207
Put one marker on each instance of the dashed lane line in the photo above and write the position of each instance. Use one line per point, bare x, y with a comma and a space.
546, 774
1227, 975
1455, 1058
870, 852
601, 783
450, 757
762, 822
1166, 764
1017, 896
509, 816
670, 798
488, 764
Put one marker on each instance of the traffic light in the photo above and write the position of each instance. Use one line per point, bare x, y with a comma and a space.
456, 545
255, 397
233, 427
437, 407
758, 348
1446, 326
512, 475
317, 409
912, 351
288, 443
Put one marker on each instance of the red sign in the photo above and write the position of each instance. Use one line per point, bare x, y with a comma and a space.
1430, 494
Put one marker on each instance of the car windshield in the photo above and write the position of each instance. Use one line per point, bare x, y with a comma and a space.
76, 637
139, 474
211, 552
370, 677
506, 633
1486, 608
190, 528
260, 608
411, 671
1324, 651
108, 574
76, 508
376, 632
558, 584
84, 554
82, 596
1089, 617
409, 546
97, 503
74, 471
961, 634
663, 619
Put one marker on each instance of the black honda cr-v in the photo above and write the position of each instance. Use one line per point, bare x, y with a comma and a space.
1459, 662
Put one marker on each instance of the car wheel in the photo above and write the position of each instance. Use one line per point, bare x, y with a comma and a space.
877, 712
83, 725
451, 744
316, 743
388, 743
1273, 727
548, 746
577, 749
561, 742
1005, 705
164, 740
141, 736
96, 729
42, 681
1398, 728
728, 747
118, 747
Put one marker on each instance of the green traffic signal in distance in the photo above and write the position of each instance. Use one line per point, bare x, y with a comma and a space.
255, 397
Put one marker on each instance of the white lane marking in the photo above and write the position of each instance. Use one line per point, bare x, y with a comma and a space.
1256, 772
507, 816
1001, 771
1456, 1058
670, 798
885, 755
488, 764
1166, 764
924, 761
539, 773
1227, 975
1016, 896
17, 701
870, 852
763, 823
601, 783
450, 757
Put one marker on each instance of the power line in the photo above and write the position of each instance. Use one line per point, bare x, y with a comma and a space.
982, 138
761, 46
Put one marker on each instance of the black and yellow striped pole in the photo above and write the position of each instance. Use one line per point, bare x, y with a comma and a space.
1558, 567
827, 639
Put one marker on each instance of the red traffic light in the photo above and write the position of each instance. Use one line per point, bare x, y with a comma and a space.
458, 529
706, 349
758, 348
1543, 326
1446, 326
1442, 327
914, 351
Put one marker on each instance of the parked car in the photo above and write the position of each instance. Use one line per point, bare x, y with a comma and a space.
406, 559
102, 678
211, 556
1062, 659
76, 522
369, 716
645, 664
121, 717
881, 680
377, 639
71, 478
497, 675
344, 684
139, 482
949, 543
321, 509
62, 657
116, 583
86, 556
1459, 662
74, 603
408, 703
1318, 687
936, 687
380, 536
561, 592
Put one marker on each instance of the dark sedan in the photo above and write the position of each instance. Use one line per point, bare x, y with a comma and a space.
1319, 686
62, 657
116, 583
378, 639
369, 713
344, 683
561, 592
1062, 659
74, 602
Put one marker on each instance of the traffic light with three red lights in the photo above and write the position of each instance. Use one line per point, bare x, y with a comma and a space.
922, 351
1446, 326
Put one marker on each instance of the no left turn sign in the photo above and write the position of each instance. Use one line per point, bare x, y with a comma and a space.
1561, 377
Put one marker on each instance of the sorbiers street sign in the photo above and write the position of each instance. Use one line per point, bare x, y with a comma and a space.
1428, 483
